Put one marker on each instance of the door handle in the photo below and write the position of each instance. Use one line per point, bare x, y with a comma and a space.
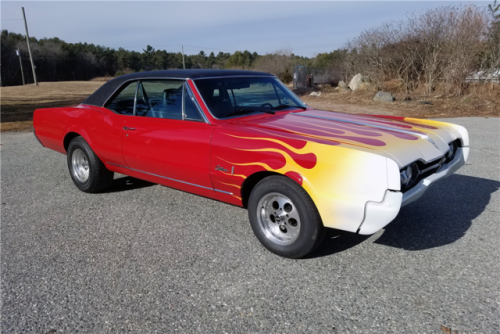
126, 128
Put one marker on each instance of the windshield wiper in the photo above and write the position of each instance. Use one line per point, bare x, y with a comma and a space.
284, 106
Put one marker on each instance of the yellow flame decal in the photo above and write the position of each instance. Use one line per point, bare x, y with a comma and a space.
229, 184
266, 166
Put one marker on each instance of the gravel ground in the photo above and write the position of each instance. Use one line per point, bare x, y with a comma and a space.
144, 258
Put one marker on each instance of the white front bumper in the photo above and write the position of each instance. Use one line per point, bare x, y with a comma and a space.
416, 192
379, 214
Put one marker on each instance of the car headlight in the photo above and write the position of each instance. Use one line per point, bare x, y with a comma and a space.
408, 176
452, 150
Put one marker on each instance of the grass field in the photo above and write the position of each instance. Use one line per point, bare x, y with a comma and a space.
19, 102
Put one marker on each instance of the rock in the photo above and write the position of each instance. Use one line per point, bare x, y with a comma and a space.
384, 97
357, 80
342, 84
315, 94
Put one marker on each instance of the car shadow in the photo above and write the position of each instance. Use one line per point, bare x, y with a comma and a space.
440, 217
127, 183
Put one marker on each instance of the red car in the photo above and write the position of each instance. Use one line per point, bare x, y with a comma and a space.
244, 138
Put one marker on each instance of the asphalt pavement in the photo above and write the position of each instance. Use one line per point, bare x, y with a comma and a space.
144, 258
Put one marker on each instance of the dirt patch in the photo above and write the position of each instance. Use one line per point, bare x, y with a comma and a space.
482, 104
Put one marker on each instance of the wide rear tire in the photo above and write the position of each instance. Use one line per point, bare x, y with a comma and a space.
87, 171
284, 217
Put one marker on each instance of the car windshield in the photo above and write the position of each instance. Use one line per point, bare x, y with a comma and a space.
233, 96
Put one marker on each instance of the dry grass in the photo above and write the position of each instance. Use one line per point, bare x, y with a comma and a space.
103, 79
16, 126
19, 102
483, 101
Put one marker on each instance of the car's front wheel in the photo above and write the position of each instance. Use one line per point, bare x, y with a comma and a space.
284, 217
87, 171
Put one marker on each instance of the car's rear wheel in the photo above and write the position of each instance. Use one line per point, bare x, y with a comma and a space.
284, 217
87, 171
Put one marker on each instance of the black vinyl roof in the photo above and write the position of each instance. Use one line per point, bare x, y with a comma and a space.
101, 95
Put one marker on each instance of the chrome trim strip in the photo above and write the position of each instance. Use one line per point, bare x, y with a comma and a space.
183, 111
235, 76
135, 96
202, 100
222, 191
436, 166
164, 177
423, 136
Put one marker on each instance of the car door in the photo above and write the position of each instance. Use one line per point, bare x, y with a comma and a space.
167, 140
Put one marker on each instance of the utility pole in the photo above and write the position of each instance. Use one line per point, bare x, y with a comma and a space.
18, 52
29, 48
183, 63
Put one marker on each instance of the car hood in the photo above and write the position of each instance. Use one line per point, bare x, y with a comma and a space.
402, 139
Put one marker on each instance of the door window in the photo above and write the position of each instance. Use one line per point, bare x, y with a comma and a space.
169, 99
163, 98
123, 103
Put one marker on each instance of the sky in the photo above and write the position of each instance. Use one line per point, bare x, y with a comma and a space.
307, 28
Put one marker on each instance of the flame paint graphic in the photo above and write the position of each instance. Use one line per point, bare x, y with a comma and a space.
339, 165
288, 155
318, 164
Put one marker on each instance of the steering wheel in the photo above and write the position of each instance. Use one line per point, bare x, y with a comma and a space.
266, 105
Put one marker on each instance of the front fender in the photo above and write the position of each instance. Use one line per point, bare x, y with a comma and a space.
345, 180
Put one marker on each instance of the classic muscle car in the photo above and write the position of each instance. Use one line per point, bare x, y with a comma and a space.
244, 138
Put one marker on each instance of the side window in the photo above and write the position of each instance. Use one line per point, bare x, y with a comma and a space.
191, 111
161, 99
123, 103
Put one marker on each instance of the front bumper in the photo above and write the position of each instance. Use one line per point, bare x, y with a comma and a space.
417, 191
379, 214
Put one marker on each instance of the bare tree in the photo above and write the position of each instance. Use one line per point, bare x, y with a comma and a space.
278, 63
441, 45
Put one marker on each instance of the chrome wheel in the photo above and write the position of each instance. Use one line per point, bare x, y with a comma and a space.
278, 218
80, 165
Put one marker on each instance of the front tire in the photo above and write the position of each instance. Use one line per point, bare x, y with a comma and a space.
87, 171
284, 217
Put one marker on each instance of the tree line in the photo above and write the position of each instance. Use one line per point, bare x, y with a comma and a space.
435, 50
56, 60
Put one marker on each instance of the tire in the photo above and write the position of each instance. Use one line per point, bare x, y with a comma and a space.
87, 171
284, 217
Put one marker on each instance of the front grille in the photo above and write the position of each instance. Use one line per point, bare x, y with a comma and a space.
423, 170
